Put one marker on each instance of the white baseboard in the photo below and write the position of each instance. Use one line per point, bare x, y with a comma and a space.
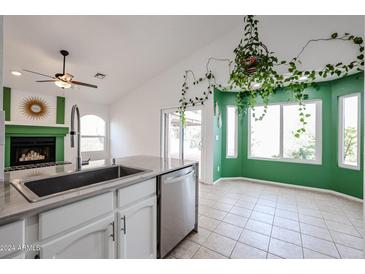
328, 191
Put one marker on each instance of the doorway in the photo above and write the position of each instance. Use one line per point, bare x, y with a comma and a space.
182, 141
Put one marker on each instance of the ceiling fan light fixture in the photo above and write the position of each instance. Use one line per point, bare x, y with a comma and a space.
62, 84
16, 73
62, 80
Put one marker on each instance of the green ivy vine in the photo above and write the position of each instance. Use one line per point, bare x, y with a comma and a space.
254, 73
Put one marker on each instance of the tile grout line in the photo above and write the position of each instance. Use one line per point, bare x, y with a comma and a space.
201, 245
214, 251
326, 227
230, 256
272, 227
339, 254
300, 232
356, 229
314, 236
195, 251
325, 203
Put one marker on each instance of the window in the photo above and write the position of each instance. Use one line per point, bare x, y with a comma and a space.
349, 131
232, 125
264, 145
274, 138
92, 133
304, 147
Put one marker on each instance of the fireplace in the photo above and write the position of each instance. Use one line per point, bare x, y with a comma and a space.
32, 150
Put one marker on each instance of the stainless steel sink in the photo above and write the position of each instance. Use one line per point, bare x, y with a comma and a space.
49, 187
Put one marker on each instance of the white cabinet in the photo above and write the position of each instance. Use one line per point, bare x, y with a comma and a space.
20, 255
118, 224
11, 238
137, 230
66, 217
92, 241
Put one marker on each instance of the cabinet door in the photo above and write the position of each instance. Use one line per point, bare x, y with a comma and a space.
20, 255
92, 241
11, 237
138, 231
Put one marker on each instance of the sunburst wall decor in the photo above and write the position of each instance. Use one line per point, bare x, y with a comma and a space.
34, 108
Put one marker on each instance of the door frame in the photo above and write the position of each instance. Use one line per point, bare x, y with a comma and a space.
163, 135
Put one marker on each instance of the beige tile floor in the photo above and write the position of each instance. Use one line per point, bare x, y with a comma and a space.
240, 219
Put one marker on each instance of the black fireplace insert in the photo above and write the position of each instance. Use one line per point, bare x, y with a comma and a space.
32, 150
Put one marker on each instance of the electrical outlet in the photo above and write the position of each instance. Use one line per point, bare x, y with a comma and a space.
217, 137
218, 168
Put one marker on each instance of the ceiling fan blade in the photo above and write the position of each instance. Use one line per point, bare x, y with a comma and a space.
34, 72
46, 81
83, 84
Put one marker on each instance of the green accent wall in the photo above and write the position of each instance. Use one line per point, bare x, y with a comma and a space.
346, 180
328, 175
60, 115
7, 102
29, 130
217, 158
23, 130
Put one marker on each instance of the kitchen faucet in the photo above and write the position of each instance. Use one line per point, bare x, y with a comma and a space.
75, 110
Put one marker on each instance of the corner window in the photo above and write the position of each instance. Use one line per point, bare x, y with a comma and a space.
92, 133
274, 137
232, 125
349, 131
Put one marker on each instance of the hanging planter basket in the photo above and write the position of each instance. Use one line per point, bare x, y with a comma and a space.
252, 57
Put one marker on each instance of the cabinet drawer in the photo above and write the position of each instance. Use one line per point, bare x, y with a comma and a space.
60, 219
11, 237
136, 192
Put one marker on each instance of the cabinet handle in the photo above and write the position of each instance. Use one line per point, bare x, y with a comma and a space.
113, 232
178, 178
124, 229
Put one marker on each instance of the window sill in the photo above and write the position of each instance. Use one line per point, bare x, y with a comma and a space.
344, 166
318, 163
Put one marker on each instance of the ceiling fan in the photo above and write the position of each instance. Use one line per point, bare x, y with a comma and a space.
62, 80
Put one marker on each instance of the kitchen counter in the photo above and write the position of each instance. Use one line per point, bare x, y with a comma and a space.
13, 205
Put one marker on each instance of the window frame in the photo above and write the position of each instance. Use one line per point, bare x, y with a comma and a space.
317, 161
341, 117
95, 136
235, 155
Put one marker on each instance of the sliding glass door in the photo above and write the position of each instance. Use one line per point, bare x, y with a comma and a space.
173, 135
182, 141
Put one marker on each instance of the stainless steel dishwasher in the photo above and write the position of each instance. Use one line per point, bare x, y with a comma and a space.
177, 206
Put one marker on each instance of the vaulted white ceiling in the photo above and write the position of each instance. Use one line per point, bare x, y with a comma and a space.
128, 49
131, 50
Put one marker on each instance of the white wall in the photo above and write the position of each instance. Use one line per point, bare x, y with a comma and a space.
135, 118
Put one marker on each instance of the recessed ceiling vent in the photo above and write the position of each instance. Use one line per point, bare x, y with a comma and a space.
99, 76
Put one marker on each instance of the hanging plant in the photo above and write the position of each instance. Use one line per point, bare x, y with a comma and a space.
254, 74
209, 77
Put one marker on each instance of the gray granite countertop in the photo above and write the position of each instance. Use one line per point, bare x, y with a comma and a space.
13, 205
